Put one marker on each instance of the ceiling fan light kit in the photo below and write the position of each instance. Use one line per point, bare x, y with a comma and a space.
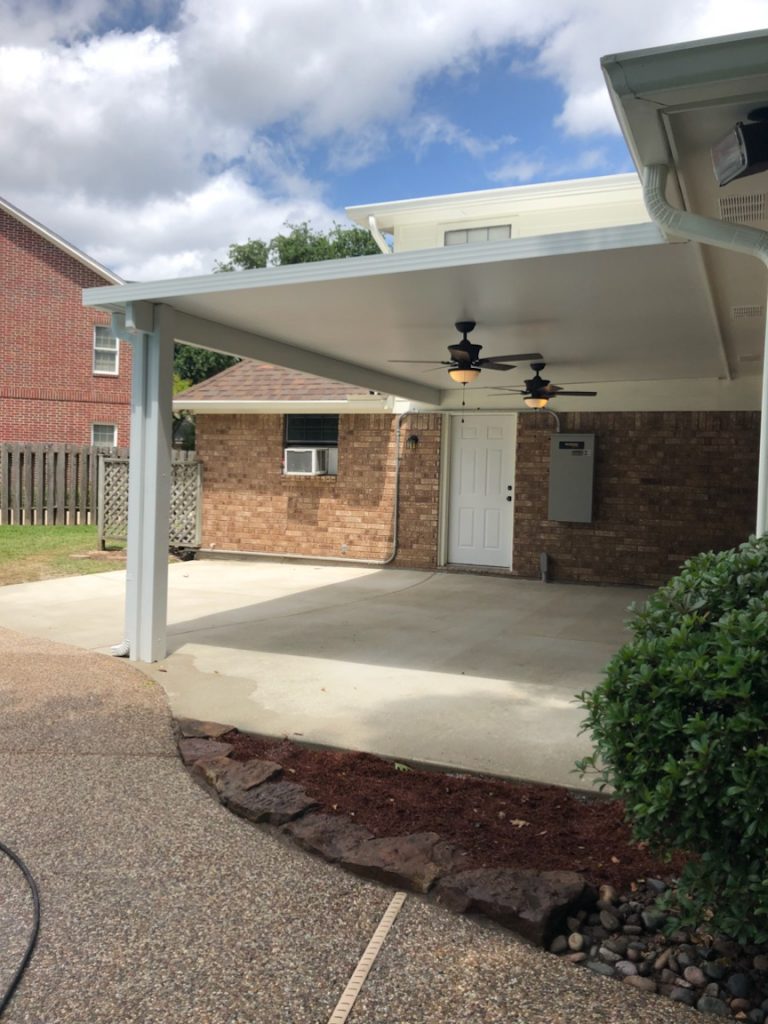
463, 375
465, 364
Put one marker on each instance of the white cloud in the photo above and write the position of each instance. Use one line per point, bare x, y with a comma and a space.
426, 130
178, 235
189, 120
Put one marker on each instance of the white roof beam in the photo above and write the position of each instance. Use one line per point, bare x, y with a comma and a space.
193, 330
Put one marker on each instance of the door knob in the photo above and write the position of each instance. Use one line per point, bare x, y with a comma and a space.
509, 497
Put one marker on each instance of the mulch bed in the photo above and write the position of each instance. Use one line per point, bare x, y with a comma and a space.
497, 823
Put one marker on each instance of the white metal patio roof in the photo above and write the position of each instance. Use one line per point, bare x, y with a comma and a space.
619, 308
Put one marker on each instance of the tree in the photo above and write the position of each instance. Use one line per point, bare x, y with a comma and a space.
301, 244
191, 365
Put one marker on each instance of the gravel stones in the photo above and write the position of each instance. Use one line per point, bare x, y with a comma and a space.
713, 974
709, 1004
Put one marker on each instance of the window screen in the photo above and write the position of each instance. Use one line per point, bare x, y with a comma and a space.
311, 430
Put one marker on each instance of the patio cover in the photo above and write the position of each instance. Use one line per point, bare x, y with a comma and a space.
641, 317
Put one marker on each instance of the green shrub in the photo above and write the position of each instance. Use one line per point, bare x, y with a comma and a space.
680, 730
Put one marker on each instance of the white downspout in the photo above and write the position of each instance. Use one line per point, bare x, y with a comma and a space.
378, 238
738, 238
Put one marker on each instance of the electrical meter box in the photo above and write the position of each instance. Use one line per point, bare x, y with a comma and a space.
571, 477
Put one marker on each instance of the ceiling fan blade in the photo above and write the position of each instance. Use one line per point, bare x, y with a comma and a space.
430, 362
585, 394
487, 365
518, 357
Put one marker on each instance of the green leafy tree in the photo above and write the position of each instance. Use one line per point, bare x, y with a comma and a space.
300, 244
191, 365
680, 730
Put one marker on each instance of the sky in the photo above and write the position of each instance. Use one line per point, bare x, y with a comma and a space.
153, 134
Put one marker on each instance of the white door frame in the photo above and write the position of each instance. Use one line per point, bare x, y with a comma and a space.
446, 453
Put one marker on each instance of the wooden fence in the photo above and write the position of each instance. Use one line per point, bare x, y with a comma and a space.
50, 484
53, 484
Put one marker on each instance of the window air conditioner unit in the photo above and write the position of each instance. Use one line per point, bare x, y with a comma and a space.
306, 461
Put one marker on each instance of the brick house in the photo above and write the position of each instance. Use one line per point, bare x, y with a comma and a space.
655, 502
63, 378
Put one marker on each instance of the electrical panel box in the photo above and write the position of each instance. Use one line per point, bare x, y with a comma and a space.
571, 477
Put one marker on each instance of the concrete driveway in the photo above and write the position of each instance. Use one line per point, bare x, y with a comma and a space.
470, 672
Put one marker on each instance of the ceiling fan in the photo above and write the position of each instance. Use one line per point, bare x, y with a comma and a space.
538, 391
465, 363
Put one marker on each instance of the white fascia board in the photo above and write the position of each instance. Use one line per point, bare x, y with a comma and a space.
530, 247
549, 192
231, 407
59, 242
682, 65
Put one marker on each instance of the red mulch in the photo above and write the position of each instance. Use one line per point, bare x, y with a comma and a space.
497, 823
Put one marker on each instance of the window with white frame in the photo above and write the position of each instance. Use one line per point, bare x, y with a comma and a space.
105, 351
104, 435
469, 236
314, 431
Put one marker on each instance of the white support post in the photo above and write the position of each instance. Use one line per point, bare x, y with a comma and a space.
149, 485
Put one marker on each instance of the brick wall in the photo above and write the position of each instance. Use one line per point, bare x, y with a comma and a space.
419, 492
667, 486
249, 505
48, 391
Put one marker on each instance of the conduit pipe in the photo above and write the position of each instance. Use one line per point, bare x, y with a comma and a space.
737, 238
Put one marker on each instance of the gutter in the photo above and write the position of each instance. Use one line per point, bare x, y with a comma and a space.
736, 238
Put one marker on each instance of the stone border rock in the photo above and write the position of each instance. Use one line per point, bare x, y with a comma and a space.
616, 936
535, 905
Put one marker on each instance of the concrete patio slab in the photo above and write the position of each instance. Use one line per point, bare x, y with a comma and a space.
466, 671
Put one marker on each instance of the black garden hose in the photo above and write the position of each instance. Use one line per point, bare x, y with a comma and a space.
8, 994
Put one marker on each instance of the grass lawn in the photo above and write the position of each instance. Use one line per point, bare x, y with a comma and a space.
29, 553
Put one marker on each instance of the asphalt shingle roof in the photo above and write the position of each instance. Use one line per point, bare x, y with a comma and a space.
254, 381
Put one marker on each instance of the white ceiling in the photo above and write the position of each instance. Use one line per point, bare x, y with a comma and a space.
617, 308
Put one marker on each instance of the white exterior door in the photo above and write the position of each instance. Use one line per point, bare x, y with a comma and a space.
481, 498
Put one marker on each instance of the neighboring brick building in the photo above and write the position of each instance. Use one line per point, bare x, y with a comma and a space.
63, 378
657, 498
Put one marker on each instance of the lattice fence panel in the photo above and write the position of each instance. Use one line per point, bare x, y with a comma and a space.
184, 524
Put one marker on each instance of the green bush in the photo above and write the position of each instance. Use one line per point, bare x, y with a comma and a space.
680, 730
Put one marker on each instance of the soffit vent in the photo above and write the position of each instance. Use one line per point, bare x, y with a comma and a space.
746, 312
743, 208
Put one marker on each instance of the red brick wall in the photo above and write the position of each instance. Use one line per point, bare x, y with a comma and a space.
667, 486
48, 391
249, 505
